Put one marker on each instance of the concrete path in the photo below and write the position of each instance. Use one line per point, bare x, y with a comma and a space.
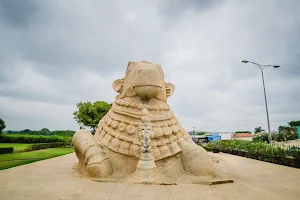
54, 179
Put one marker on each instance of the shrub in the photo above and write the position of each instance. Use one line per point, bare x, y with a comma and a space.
67, 133
207, 148
16, 138
261, 138
44, 131
6, 150
261, 148
294, 152
34, 147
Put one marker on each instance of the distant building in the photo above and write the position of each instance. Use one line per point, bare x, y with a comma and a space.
242, 136
224, 135
213, 138
210, 136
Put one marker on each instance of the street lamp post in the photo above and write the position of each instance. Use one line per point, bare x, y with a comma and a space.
194, 133
262, 67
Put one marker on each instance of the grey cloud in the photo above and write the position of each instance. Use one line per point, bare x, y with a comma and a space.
73, 51
174, 9
18, 13
98, 40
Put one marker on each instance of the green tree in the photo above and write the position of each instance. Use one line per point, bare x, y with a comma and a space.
63, 132
294, 123
258, 130
282, 128
25, 131
289, 132
45, 131
2, 125
200, 133
89, 114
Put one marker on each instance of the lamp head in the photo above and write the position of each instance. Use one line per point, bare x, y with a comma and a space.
276, 66
245, 61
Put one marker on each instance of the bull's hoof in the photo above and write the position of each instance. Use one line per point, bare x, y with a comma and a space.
100, 170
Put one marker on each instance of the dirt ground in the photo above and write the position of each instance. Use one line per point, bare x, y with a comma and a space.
292, 142
55, 179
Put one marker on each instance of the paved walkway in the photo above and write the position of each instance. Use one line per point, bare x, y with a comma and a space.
54, 179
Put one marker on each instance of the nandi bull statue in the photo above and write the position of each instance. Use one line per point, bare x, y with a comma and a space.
140, 140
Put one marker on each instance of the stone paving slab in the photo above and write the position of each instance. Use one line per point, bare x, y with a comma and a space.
55, 179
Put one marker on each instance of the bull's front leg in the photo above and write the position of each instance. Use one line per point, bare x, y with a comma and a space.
195, 160
91, 155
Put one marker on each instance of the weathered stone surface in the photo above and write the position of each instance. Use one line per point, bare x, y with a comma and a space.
140, 139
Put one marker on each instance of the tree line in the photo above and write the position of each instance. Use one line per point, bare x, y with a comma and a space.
285, 133
44, 131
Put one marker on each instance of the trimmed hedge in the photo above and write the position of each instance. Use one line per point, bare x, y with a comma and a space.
5, 150
34, 147
281, 160
259, 151
44, 131
207, 148
15, 138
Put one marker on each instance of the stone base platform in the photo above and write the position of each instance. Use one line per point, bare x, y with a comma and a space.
55, 179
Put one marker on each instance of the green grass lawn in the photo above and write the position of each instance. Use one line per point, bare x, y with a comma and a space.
16, 146
16, 159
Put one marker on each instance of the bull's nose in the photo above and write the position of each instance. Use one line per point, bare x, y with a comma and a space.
147, 77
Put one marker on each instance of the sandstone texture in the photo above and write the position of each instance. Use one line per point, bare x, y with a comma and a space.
140, 140
54, 179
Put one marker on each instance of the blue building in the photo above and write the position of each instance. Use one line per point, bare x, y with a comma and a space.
214, 137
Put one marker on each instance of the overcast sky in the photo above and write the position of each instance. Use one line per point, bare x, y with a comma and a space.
56, 53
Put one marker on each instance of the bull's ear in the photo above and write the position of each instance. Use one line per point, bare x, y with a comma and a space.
118, 85
169, 89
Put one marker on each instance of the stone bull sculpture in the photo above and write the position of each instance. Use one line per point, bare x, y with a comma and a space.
140, 140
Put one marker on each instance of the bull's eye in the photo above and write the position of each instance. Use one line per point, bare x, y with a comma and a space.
168, 91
